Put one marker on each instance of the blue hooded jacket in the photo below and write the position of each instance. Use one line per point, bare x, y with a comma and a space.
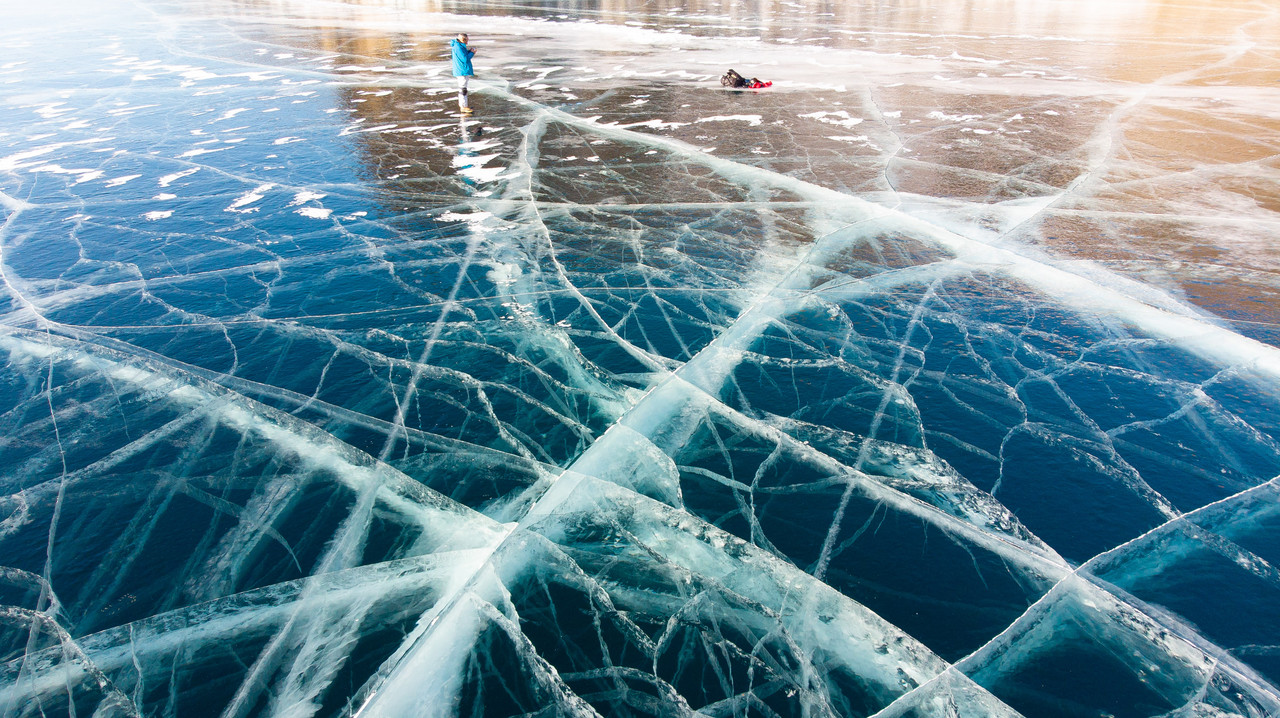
462, 59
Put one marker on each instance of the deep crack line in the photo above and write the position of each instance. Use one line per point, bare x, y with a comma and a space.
1162, 316
1043, 275
824, 558
1086, 580
709, 367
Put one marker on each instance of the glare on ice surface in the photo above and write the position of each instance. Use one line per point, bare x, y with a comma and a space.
939, 378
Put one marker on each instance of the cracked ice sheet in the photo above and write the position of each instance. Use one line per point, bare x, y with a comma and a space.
273, 500
755, 379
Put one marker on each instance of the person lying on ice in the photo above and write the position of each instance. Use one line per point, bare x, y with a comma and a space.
733, 79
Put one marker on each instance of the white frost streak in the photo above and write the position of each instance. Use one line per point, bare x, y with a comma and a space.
837, 117
169, 179
752, 120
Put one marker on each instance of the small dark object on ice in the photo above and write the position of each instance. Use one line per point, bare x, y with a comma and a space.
733, 79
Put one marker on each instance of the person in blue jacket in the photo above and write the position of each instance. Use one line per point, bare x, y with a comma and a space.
462, 69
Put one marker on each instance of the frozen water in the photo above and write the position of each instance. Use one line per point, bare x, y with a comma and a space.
939, 378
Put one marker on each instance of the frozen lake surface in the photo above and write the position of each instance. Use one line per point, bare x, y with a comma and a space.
942, 378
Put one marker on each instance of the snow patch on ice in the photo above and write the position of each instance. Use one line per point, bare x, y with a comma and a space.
84, 174
167, 180
752, 120
249, 197
201, 151
835, 117
656, 124
231, 113
855, 139
306, 196
940, 115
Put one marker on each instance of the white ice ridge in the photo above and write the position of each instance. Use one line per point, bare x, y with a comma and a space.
1226, 519
1085, 287
13, 207
1137, 628
1129, 628
556, 346
409, 685
674, 407
670, 401
157, 639
317, 450
676, 403
13, 204
315, 629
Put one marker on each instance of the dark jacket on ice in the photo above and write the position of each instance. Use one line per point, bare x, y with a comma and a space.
462, 59
733, 79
